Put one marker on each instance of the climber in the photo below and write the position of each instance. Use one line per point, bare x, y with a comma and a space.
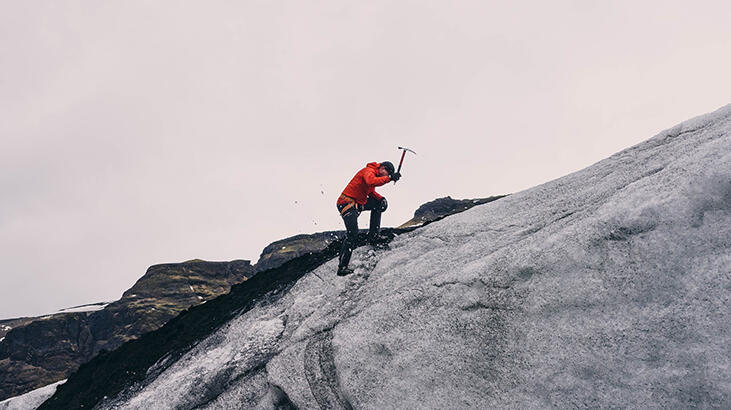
358, 196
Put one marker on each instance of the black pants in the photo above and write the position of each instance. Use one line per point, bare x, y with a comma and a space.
350, 217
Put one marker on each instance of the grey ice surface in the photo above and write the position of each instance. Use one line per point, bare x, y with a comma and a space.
608, 287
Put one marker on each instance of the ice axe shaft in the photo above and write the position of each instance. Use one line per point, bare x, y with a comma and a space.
403, 154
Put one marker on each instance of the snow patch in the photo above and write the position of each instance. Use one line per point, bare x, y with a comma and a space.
32, 399
93, 307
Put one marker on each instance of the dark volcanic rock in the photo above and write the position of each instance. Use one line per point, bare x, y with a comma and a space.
40, 351
276, 253
441, 207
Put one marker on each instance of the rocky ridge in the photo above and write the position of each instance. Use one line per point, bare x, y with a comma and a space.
441, 207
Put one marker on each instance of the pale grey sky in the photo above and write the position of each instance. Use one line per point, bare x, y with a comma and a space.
135, 132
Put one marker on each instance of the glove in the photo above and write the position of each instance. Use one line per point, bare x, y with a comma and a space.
395, 176
384, 204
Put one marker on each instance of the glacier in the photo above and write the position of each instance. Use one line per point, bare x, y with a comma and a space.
608, 287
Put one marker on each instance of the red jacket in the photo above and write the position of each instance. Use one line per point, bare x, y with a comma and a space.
364, 183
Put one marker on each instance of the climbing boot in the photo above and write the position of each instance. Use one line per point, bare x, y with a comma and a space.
344, 270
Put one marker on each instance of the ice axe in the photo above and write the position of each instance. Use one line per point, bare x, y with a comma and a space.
404, 149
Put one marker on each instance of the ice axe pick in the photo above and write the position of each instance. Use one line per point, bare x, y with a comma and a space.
403, 154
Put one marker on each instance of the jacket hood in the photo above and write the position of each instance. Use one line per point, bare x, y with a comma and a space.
374, 165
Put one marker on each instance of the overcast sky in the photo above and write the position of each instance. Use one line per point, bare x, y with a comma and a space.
134, 132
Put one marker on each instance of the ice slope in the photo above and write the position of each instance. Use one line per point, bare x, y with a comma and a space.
30, 400
608, 287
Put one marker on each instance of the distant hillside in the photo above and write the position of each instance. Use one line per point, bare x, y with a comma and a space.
35, 352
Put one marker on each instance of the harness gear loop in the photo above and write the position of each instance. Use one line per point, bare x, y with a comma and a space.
351, 203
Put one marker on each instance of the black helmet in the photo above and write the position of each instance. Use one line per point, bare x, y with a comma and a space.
389, 167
